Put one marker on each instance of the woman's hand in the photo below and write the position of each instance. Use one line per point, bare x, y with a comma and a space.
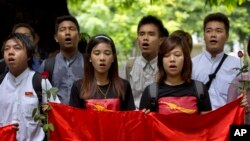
15, 127
146, 111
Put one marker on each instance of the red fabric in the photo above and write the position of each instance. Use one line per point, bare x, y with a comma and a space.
7, 133
81, 125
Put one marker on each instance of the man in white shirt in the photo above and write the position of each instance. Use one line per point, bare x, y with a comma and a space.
216, 32
140, 72
17, 92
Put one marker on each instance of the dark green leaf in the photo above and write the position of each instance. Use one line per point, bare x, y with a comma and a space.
34, 112
42, 117
48, 94
45, 128
36, 117
54, 90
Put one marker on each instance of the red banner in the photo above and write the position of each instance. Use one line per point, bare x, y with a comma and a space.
7, 133
82, 125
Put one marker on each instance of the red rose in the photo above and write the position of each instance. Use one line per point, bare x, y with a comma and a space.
45, 74
240, 54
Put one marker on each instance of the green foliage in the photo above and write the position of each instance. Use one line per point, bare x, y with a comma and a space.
230, 4
119, 18
48, 127
34, 112
52, 92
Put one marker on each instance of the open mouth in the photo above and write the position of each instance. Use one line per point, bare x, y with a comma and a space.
11, 60
68, 40
172, 66
102, 65
213, 41
145, 45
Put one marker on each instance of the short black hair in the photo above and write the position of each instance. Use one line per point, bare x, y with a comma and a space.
150, 19
168, 44
66, 18
220, 17
26, 25
27, 43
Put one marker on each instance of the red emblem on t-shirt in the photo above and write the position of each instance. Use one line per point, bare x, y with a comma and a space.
28, 93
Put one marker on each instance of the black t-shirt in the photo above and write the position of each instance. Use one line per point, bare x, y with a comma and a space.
182, 90
126, 103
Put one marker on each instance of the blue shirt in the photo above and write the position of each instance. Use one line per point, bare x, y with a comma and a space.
36, 63
204, 64
65, 72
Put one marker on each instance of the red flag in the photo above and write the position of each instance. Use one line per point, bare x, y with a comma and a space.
213, 126
79, 125
8, 133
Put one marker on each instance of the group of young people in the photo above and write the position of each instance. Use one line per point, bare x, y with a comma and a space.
93, 81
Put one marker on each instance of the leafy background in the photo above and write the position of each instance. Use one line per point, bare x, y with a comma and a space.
119, 19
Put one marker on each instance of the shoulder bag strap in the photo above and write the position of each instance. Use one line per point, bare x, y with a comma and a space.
213, 75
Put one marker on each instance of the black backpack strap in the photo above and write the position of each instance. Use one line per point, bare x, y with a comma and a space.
199, 87
153, 92
213, 75
37, 85
49, 66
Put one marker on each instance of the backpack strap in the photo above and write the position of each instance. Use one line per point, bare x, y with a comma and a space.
36, 82
199, 87
153, 92
49, 66
37, 85
129, 66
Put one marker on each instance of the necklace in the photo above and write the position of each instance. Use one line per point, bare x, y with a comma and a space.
102, 93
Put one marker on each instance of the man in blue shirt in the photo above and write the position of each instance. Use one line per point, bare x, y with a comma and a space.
68, 63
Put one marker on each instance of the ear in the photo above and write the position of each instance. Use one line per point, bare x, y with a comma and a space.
227, 37
37, 38
161, 40
55, 37
90, 60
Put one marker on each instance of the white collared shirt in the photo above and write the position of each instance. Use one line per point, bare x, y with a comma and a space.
204, 64
142, 74
18, 99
